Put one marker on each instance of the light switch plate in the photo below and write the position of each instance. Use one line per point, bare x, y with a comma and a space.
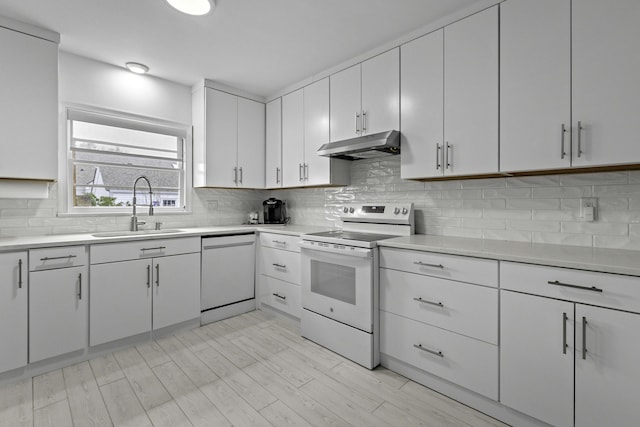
589, 208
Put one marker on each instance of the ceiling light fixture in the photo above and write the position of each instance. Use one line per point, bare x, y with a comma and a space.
136, 67
193, 7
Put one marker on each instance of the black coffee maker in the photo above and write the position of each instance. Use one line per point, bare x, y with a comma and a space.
275, 211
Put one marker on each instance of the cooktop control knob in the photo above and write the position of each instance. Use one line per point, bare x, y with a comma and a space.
345, 210
351, 210
405, 211
396, 211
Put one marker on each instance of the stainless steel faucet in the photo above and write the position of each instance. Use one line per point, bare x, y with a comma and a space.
134, 218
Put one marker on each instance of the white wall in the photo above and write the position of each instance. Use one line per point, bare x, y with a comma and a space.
88, 82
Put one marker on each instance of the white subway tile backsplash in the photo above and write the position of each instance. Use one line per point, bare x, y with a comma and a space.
493, 224
507, 214
533, 204
542, 226
507, 193
630, 190
599, 178
534, 181
460, 232
484, 183
562, 239
600, 228
511, 235
556, 215
462, 194
634, 177
561, 192
462, 213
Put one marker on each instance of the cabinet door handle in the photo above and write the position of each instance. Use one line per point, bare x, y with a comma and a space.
564, 333
279, 296
157, 248
80, 286
240, 169
364, 122
158, 275
584, 338
419, 299
300, 171
563, 131
20, 274
437, 353
438, 165
424, 264
567, 285
148, 276
579, 138
357, 124
447, 162
235, 175
279, 265
57, 257
306, 171
277, 175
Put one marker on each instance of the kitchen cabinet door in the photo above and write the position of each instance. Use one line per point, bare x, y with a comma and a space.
176, 289
606, 82
28, 107
381, 93
535, 85
13, 306
536, 367
608, 375
120, 300
471, 94
273, 151
346, 104
251, 121
422, 95
221, 138
292, 138
316, 132
58, 312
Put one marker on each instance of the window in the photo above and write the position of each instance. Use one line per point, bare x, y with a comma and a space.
107, 153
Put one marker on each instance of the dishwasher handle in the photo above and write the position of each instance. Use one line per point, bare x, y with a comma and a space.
227, 245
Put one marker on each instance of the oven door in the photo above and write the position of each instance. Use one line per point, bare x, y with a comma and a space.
339, 284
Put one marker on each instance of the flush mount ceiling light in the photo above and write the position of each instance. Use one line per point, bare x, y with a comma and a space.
193, 7
136, 67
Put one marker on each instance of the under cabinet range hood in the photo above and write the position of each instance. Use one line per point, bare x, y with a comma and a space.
364, 147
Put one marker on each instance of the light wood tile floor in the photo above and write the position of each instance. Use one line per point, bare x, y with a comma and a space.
250, 370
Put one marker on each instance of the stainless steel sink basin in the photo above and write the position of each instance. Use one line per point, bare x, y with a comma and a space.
135, 233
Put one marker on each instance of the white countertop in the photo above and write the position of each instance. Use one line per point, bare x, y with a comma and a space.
30, 242
615, 261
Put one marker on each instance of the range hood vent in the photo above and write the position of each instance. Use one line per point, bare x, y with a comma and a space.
364, 147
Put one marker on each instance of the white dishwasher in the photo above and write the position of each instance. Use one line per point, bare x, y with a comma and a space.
228, 276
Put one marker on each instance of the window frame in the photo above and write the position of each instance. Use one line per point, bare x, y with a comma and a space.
71, 112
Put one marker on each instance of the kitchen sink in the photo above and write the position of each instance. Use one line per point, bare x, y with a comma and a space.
135, 233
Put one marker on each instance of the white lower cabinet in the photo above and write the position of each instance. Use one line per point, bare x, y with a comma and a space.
134, 296
13, 306
437, 324
281, 295
279, 280
58, 301
565, 362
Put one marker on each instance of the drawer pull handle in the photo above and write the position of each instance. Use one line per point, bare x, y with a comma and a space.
424, 264
567, 285
58, 257
279, 242
437, 353
159, 248
584, 338
279, 296
279, 265
439, 304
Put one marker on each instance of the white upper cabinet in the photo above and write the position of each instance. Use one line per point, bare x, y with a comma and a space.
28, 107
273, 152
471, 95
316, 132
535, 85
293, 138
606, 82
229, 140
422, 98
365, 98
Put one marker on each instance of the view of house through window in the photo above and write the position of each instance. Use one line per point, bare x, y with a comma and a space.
107, 154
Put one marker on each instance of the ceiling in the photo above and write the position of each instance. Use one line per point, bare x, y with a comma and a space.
259, 46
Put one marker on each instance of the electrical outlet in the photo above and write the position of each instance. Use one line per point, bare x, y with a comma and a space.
589, 208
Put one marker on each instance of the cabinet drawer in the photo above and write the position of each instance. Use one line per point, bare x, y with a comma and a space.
464, 361
112, 252
60, 257
601, 289
281, 295
280, 241
469, 310
283, 265
463, 269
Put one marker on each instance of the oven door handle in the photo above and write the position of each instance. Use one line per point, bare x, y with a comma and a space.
352, 251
